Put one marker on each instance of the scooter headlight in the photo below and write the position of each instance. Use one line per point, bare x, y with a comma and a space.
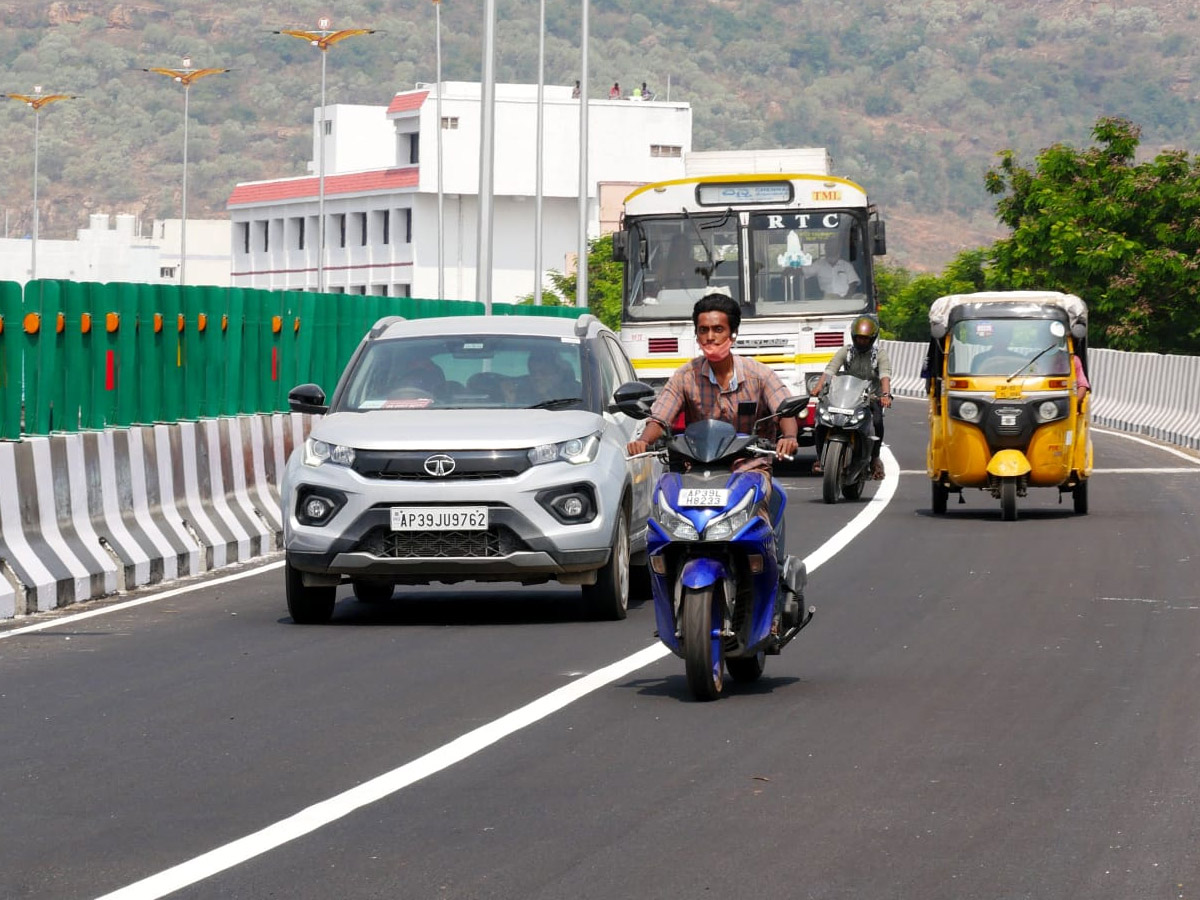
679, 527
726, 525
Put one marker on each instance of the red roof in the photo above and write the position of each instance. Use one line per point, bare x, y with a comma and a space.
259, 192
406, 102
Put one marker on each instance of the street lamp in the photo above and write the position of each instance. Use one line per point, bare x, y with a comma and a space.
323, 39
185, 76
35, 102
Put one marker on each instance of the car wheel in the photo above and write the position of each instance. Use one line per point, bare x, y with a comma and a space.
307, 605
369, 591
608, 598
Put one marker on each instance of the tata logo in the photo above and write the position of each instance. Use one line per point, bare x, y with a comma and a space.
439, 465
827, 196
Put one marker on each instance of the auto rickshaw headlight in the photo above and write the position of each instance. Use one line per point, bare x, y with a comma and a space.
969, 410
1049, 410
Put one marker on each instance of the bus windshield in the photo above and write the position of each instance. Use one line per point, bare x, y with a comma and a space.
803, 263
808, 263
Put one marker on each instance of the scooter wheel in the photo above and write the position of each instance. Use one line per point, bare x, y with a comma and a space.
703, 651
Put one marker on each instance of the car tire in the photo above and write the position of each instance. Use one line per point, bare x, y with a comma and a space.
307, 605
608, 598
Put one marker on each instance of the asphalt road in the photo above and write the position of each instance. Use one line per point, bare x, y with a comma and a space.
981, 709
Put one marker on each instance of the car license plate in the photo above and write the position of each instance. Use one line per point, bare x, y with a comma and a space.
439, 518
703, 496
1008, 392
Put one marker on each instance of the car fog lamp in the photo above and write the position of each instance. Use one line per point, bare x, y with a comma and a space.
317, 508
969, 410
572, 506
1047, 411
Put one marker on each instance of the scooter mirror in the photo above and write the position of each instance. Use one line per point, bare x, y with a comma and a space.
634, 398
792, 406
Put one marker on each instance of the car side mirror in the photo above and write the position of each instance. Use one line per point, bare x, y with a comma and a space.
307, 398
634, 398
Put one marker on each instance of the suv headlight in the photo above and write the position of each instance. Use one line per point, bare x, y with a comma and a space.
679, 527
317, 453
576, 451
726, 525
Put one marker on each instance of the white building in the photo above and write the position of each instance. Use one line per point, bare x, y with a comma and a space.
381, 191
113, 249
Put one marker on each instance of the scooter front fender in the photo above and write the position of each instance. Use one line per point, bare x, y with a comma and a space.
1009, 464
702, 572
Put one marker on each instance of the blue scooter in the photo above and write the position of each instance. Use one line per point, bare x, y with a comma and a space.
723, 600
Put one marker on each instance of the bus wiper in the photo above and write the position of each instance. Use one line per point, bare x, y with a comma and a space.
1031, 362
706, 271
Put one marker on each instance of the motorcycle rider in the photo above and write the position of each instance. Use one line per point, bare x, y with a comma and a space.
863, 359
719, 384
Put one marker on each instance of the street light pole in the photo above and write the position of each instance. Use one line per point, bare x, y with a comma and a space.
35, 102
185, 76
581, 266
441, 220
323, 39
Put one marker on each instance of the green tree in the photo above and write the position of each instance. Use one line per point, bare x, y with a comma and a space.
904, 299
1122, 235
604, 284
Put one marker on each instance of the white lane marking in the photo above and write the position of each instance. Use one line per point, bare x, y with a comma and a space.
1141, 440
59, 622
1166, 470
327, 811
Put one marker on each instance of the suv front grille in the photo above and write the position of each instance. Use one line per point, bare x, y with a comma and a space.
497, 541
469, 465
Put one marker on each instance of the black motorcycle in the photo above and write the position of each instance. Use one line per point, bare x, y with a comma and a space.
844, 412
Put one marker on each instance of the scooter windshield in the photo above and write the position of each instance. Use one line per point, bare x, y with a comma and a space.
846, 391
709, 439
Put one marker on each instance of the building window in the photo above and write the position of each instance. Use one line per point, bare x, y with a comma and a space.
245, 226
362, 228
166, 272
414, 149
408, 227
329, 126
401, 290
666, 150
341, 220
300, 233
266, 234
387, 226
450, 123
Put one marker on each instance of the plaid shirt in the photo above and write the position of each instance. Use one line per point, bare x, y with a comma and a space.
693, 390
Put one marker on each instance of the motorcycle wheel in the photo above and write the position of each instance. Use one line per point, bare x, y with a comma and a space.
703, 652
852, 490
745, 669
1079, 495
1008, 500
831, 484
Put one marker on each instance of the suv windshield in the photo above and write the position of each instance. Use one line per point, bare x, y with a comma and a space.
489, 371
1007, 347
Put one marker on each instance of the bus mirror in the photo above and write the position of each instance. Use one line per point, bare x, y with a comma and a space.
620, 246
878, 238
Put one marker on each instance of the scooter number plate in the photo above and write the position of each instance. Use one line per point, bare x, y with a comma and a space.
1008, 392
703, 496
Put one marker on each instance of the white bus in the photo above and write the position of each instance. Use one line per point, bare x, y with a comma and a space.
795, 250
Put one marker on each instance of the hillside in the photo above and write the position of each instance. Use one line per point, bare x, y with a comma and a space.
912, 97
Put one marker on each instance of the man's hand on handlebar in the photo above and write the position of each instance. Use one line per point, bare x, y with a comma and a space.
786, 447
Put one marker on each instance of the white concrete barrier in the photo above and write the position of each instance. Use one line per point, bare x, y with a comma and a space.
86, 515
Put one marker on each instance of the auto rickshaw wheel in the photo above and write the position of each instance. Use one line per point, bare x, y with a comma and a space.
1079, 494
1008, 499
939, 494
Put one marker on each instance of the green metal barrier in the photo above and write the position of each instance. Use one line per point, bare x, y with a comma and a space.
82, 355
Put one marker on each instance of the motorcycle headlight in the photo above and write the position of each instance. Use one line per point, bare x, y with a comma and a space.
726, 525
679, 527
575, 451
318, 453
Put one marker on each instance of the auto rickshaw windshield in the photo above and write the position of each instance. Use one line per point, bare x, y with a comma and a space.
1036, 347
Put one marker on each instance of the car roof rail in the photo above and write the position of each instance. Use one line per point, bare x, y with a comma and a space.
583, 323
382, 325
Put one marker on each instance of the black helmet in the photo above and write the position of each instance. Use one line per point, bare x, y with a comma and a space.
864, 327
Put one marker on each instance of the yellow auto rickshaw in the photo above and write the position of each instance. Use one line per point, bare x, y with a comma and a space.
1008, 396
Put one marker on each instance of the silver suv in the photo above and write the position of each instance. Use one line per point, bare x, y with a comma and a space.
481, 448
